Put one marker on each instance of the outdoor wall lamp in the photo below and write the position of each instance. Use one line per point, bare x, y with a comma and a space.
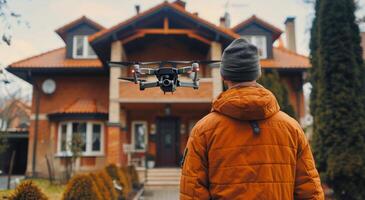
168, 109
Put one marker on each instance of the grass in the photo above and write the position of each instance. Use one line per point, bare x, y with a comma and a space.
52, 191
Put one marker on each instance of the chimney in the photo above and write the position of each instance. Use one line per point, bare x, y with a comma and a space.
225, 21
290, 34
138, 8
222, 22
180, 3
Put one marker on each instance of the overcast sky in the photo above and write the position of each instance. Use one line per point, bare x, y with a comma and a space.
44, 16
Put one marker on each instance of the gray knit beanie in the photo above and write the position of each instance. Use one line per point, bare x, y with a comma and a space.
240, 62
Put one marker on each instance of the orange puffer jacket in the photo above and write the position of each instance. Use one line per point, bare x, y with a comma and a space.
227, 157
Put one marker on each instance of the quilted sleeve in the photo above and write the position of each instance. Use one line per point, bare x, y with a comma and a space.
307, 181
194, 178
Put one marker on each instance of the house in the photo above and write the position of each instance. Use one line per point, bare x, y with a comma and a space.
14, 125
75, 91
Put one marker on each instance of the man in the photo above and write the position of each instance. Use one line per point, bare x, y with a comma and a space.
246, 148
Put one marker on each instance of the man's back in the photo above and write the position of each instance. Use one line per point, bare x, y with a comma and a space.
247, 149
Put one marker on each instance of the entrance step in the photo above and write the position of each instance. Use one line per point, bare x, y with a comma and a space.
163, 177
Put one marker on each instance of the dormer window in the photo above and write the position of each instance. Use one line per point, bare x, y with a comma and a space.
81, 47
260, 42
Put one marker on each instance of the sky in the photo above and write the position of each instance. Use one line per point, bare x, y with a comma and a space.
45, 16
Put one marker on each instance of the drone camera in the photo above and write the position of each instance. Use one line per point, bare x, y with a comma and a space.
195, 67
166, 82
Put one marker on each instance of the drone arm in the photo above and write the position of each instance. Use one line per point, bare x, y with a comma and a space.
187, 84
144, 85
184, 70
147, 71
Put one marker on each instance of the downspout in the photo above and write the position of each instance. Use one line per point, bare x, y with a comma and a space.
36, 125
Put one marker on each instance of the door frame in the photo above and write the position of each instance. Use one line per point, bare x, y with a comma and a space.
177, 139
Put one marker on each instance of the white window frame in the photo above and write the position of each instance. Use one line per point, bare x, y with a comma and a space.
253, 39
89, 126
85, 50
144, 123
3, 124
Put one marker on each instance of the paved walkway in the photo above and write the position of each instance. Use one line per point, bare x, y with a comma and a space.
162, 194
14, 180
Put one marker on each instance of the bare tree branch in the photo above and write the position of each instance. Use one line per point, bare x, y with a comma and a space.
8, 18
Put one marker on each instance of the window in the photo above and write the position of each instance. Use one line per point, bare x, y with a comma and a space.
96, 137
63, 138
81, 47
3, 124
260, 42
88, 136
139, 136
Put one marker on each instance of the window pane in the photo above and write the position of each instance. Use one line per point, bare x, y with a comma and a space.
90, 51
79, 45
247, 38
139, 137
63, 137
259, 44
96, 137
79, 136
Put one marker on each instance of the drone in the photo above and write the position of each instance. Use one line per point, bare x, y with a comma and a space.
166, 72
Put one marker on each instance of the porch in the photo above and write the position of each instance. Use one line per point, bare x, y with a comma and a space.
156, 133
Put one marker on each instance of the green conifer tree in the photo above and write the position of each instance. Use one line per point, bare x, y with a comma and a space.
337, 99
271, 81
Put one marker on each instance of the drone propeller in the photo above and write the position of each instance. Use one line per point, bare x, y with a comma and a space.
197, 61
131, 79
124, 64
163, 62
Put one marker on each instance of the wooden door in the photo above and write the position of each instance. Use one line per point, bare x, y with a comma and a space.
167, 142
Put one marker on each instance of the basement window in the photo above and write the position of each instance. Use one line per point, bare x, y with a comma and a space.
260, 42
139, 136
82, 48
87, 137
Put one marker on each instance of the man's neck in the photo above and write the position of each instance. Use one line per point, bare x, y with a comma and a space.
242, 84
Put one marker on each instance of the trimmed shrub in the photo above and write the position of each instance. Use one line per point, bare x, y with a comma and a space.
134, 176
121, 179
108, 182
83, 187
27, 190
105, 185
124, 170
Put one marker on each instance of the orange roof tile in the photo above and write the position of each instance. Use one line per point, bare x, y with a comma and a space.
56, 59
284, 58
82, 106
163, 4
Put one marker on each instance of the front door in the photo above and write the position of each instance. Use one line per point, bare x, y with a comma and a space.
167, 142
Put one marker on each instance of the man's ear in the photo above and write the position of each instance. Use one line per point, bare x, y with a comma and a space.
225, 84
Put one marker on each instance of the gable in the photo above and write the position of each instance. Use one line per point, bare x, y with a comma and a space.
257, 30
255, 26
81, 29
254, 20
154, 18
63, 31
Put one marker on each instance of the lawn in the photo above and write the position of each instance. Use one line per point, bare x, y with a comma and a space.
53, 192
